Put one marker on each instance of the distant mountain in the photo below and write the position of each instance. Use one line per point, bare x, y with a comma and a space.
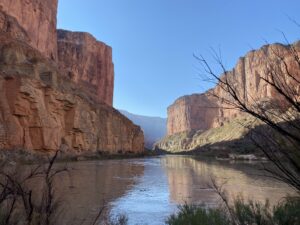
155, 128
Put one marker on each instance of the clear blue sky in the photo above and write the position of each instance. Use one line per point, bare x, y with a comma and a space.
153, 41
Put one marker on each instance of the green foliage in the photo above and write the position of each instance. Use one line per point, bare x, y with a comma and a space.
195, 215
286, 212
252, 212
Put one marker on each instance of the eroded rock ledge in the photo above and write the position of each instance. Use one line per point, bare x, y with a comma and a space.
43, 109
204, 111
191, 118
88, 63
38, 19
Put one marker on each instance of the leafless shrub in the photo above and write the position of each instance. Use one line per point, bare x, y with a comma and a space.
279, 140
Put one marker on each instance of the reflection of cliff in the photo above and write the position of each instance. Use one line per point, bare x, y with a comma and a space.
90, 185
189, 180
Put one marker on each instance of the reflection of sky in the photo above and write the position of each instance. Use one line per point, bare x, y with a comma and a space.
148, 201
172, 180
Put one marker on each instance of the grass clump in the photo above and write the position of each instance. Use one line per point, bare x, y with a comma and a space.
286, 212
194, 215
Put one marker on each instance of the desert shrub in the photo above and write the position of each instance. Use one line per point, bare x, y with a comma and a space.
198, 215
252, 212
286, 212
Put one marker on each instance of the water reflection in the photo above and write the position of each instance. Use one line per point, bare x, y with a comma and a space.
189, 180
89, 185
172, 180
148, 201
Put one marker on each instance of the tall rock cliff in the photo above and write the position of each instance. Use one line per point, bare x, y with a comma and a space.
38, 18
43, 109
88, 63
205, 111
194, 112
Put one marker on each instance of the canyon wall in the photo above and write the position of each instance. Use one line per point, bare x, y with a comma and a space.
88, 63
193, 112
43, 109
38, 18
205, 111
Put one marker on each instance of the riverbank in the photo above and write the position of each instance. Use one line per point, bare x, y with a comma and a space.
29, 157
222, 154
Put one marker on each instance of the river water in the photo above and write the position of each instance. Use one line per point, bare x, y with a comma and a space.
148, 190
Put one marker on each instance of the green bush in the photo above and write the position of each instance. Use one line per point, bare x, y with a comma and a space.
195, 215
252, 212
286, 212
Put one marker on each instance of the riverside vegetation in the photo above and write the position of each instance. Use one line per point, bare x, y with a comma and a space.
47, 106
271, 127
286, 212
30, 195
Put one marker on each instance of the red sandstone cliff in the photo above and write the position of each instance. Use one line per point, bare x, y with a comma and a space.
38, 18
203, 111
194, 112
42, 109
88, 63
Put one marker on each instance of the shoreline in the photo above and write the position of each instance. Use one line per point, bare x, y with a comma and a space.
29, 157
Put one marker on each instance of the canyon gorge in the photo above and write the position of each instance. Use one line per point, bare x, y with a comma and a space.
154, 128
205, 119
56, 86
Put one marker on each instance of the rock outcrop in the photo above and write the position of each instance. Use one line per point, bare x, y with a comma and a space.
205, 111
88, 63
193, 112
233, 135
42, 109
38, 18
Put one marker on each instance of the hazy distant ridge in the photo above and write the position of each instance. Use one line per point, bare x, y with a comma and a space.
155, 128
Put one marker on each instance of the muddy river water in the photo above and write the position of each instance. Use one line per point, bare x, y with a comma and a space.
148, 190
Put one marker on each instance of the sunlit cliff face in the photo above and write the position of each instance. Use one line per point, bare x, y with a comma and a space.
206, 111
190, 181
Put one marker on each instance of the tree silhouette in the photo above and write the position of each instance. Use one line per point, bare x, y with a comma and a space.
279, 140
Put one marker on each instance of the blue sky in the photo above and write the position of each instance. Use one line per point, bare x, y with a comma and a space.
154, 41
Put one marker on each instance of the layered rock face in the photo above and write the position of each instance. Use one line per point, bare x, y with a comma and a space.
194, 112
38, 18
205, 111
88, 63
42, 109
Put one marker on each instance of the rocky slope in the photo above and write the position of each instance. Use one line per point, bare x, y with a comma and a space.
155, 128
88, 63
233, 135
42, 109
202, 112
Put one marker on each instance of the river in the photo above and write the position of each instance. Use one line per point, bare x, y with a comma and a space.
148, 190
